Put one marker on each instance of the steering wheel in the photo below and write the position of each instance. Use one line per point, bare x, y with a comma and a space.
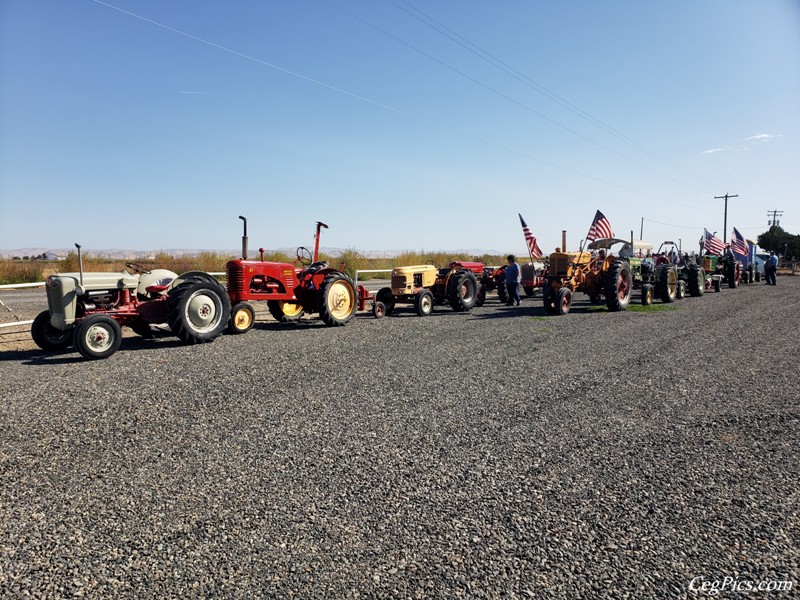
137, 268
304, 256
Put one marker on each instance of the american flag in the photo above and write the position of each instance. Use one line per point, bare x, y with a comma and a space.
533, 246
600, 228
713, 244
738, 243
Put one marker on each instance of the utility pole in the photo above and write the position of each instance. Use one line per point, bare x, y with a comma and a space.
775, 214
773, 223
725, 228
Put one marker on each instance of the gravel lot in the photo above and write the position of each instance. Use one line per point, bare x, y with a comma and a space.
495, 454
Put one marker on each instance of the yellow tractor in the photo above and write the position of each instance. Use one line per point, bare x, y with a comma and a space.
598, 274
426, 285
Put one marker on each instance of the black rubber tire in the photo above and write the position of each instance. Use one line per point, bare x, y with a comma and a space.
619, 284
337, 300
481, 298
423, 303
563, 301
730, 276
758, 276
716, 284
48, 337
667, 285
502, 291
97, 336
680, 292
549, 299
385, 295
378, 309
697, 281
243, 316
275, 308
198, 310
648, 292
462, 291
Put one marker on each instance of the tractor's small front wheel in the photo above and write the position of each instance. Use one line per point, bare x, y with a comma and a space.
385, 296
48, 337
648, 291
717, 284
564, 301
98, 336
680, 293
378, 309
242, 318
423, 302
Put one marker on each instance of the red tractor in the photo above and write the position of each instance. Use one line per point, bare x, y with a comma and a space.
533, 276
289, 292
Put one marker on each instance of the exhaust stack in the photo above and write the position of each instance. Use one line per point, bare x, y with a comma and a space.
563, 240
320, 225
244, 239
80, 264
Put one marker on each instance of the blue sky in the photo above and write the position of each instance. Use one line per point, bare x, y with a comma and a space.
403, 125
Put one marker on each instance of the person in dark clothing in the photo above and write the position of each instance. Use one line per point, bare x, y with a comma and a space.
513, 276
770, 268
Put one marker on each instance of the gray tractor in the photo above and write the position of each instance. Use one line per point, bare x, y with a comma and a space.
90, 309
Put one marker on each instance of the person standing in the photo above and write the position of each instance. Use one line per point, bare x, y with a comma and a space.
771, 268
513, 276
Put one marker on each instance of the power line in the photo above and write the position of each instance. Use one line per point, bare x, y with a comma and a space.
497, 92
521, 77
380, 104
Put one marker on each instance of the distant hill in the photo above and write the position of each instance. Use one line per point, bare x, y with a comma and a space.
126, 254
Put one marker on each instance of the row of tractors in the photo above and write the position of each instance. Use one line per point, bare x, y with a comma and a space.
604, 275
88, 310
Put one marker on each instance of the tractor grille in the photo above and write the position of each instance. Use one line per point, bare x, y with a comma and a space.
559, 261
235, 277
398, 282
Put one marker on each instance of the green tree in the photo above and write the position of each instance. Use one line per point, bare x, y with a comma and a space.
780, 241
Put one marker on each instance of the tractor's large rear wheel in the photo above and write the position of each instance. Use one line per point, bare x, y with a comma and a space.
198, 311
697, 281
284, 312
481, 297
549, 299
667, 283
48, 337
502, 291
98, 336
337, 300
618, 286
732, 275
462, 291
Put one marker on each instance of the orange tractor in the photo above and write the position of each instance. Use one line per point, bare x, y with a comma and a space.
600, 276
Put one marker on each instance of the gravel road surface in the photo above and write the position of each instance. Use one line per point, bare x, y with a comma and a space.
495, 454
